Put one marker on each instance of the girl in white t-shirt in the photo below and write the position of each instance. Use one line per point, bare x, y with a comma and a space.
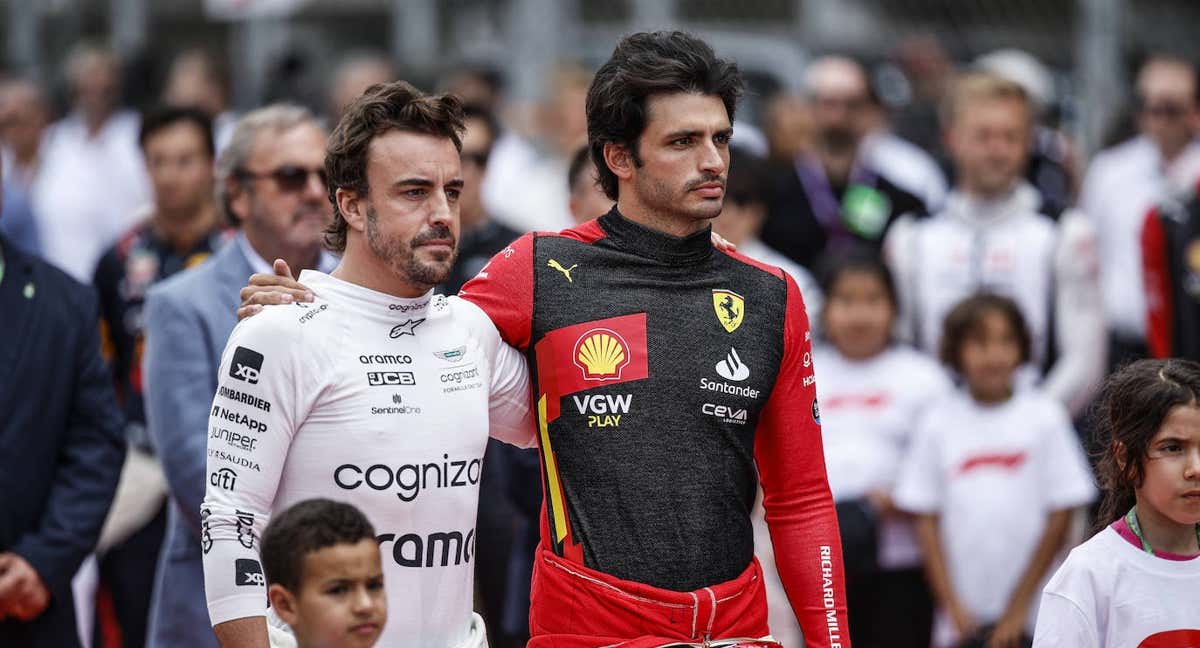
993, 476
1136, 583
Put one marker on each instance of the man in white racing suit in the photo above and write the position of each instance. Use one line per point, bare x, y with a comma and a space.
378, 393
991, 236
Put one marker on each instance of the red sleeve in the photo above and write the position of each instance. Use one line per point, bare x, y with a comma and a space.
504, 290
1156, 274
799, 507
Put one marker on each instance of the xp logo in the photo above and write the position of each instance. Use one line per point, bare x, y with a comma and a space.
224, 479
601, 354
246, 365
732, 368
248, 572
408, 327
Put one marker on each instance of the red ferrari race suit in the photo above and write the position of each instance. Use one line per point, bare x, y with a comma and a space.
669, 378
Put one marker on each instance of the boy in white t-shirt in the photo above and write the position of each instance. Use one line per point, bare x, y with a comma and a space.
1136, 583
993, 476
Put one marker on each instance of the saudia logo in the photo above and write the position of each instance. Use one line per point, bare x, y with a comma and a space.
601, 354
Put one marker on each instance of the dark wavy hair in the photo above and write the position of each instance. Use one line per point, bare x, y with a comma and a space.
642, 65
307, 527
1132, 407
382, 108
966, 319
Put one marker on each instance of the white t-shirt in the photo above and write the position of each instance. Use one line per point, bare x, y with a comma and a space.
378, 401
868, 412
992, 474
1111, 594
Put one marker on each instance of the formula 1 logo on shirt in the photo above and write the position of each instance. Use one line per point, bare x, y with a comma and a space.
246, 365
730, 308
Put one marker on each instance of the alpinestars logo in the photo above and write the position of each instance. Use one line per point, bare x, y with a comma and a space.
732, 368
246, 365
409, 327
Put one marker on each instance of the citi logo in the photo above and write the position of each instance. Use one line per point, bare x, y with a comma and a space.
224, 479
732, 368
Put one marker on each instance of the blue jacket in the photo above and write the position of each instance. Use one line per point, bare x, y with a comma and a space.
61, 434
188, 319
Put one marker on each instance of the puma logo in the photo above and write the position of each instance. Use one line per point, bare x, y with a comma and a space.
566, 271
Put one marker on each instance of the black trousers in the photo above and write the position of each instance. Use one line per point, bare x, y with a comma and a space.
890, 608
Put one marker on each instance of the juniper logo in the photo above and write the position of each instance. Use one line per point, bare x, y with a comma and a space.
732, 368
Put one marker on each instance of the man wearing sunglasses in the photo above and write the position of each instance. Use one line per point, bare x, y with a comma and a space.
1125, 181
271, 182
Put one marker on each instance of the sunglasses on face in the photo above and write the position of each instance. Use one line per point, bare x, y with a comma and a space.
1163, 109
288, 178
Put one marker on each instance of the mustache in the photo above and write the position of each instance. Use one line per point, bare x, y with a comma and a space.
705, 179
439, 232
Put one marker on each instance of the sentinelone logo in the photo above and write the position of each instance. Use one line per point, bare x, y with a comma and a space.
828, 599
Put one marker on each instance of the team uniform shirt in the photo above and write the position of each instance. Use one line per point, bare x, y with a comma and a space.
1111, 594
140, 259
1121, 185
381, 402
665, 373
991, 473
1007, 247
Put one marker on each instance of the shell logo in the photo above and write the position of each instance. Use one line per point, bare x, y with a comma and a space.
601, 354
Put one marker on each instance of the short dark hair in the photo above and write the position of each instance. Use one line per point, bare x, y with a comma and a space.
163, 117
307, 527
966, 318
382, 108
642, 65
748, 179
476, 111
867, 262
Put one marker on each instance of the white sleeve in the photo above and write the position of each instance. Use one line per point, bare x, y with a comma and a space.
509, 413
1079, 331
919, 487
1060, 622
898, 252
1067, 480
259, 405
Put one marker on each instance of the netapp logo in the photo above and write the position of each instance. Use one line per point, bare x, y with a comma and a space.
224, 479
409, 479
385, 359
234, 439
239, 418
239, 397
412, 550
248, 572
246, 365
390, 378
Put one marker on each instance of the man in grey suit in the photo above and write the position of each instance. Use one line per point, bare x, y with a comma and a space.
270, 181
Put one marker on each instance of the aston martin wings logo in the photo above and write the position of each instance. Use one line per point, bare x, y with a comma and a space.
730, 309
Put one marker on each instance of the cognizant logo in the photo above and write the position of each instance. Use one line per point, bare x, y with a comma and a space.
409, 479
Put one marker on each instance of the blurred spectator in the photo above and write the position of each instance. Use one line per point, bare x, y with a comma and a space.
901, 161
93, 184
524, 187
24, 114
61, 429
270, 179
1051, 167
587, 199
788, 126
930, 73
478, 85
830, 200
181, 230
747, 188
355, 73
1171, 268
197, 80
872, 390
480, 237
993, 475
1124, 182
992, 235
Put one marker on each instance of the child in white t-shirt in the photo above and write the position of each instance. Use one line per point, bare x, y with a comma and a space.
1136, 583
993, 476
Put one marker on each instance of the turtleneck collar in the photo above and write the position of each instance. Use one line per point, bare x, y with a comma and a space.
1022, 199
638, 239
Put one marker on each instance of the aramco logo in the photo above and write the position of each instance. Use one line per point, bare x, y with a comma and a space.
601, 354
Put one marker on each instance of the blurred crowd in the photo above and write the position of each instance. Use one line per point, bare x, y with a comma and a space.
892, 218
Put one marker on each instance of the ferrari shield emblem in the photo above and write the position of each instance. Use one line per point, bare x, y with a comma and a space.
730, 307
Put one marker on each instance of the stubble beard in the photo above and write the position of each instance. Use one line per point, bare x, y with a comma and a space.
400, 256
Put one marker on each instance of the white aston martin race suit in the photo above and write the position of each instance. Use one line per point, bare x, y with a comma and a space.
382, 402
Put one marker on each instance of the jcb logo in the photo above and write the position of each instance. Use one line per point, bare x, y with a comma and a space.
392, 378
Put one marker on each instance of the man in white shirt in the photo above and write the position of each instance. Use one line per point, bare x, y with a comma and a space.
1125, 181
93, 184
378, 393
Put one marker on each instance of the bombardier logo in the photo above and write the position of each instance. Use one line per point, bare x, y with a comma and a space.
731, 368
246, 365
